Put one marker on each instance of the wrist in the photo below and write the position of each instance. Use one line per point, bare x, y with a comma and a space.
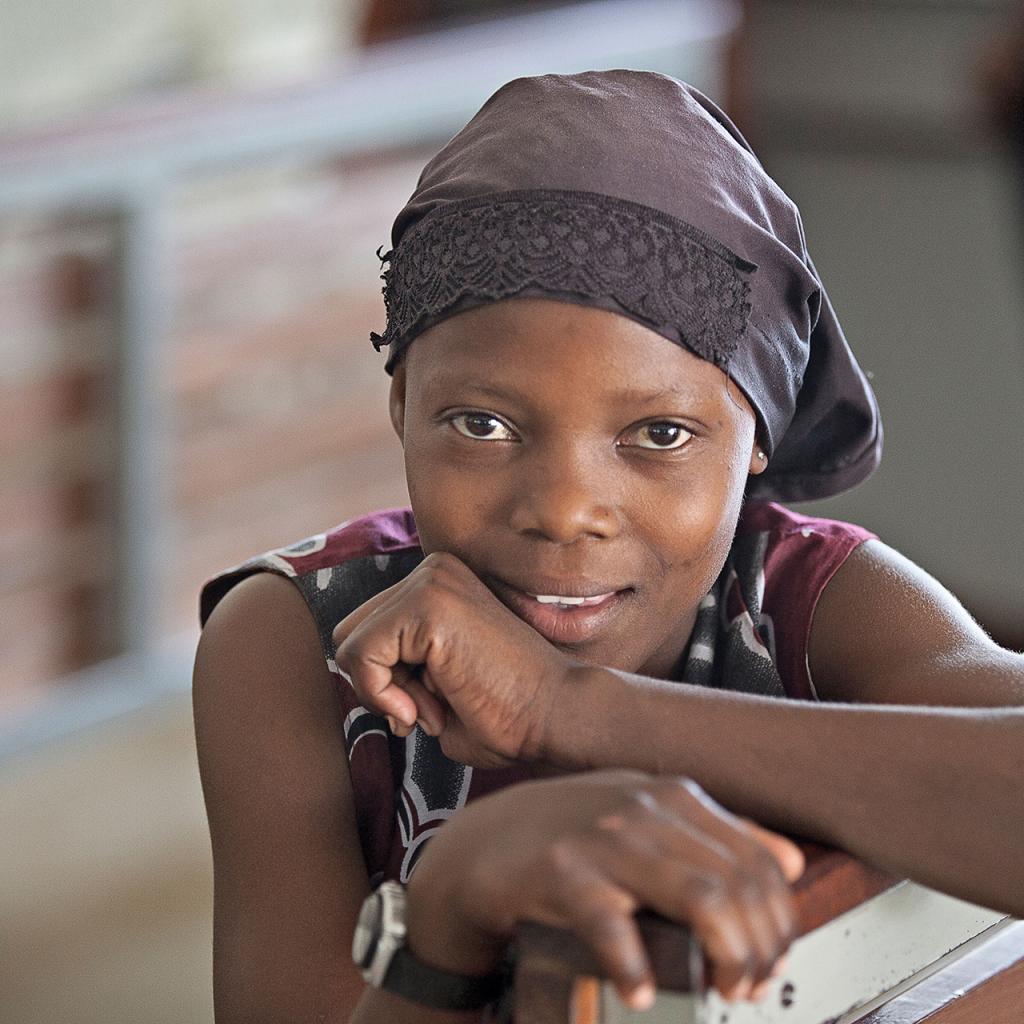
581, 730
442, 935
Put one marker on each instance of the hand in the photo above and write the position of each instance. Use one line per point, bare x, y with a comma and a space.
439, 648
584, 853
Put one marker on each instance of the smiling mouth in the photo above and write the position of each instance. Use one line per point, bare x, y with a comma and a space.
564, 618
571, 602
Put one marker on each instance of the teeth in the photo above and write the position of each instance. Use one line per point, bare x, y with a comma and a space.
569, 601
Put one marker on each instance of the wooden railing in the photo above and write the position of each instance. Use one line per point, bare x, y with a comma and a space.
871, 950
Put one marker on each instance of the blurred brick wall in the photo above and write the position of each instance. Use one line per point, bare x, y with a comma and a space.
55, 448
280, 424
282, 401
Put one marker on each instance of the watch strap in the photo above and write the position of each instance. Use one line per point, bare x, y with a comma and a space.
430, 986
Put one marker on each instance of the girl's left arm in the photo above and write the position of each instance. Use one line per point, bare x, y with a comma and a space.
913, 761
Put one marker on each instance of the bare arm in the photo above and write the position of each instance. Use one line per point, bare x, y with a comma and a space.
289, 876
930, 792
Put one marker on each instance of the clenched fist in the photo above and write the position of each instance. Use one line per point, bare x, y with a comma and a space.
440, 649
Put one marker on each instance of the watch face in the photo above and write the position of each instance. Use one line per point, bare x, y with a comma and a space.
368, 930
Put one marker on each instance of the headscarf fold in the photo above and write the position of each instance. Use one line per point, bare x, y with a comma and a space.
633, 192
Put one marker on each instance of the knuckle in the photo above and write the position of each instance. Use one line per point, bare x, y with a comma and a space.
561, 857
439, 565
602, 917
688, 790
351, 653
760, 860
747, 888
455, 748
707, 894
641, 800
346, 663
689, 786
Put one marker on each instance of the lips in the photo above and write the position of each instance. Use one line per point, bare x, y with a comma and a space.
564, 623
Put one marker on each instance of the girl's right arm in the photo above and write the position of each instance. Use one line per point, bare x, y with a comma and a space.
289, 876
583, 852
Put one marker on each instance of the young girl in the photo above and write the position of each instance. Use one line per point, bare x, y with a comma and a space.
611, 354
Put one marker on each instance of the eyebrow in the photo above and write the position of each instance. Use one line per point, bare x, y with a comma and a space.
624, 396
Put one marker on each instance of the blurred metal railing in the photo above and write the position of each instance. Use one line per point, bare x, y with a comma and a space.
129, 163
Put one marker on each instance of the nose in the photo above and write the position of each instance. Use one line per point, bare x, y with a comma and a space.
564, 497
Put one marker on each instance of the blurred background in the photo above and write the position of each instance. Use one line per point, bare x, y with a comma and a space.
191, 194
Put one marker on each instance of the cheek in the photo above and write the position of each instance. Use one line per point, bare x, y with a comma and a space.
448, 503
695, 523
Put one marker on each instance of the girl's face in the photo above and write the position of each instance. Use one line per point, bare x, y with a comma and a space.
566, 451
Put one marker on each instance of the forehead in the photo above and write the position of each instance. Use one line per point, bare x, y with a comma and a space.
548, 346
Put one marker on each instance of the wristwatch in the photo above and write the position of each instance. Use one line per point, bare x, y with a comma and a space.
379, 950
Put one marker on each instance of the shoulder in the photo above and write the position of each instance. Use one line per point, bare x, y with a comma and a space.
334, 571
260, 652
379, 534
789, 559
259, 647
783, 524
887, 631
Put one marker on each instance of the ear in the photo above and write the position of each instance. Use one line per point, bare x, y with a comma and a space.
396, 401
758, 459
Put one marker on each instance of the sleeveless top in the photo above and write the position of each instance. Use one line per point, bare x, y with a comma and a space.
750, 635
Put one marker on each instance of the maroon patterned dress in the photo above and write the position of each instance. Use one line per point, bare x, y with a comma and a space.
751, 635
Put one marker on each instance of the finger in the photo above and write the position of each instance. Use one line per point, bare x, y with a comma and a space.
760, 860
786, 852
397, 728
377, 691
790, 857
764, 909
377, 658
601, 916
762, 914
731, 892
430, 713
791, 861
766, 903
344, 629
683, 874
763, 989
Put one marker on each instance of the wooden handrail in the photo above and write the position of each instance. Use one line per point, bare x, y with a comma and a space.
844, 908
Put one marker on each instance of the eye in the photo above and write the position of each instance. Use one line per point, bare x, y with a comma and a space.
482, 426
663, 435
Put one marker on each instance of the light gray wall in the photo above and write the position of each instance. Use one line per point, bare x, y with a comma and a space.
863, 112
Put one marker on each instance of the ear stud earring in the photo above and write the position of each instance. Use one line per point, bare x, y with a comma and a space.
761, 456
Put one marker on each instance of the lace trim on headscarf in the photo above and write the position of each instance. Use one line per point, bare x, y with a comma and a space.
659, 269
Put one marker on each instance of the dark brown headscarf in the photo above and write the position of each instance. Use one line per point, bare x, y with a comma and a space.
633, 192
